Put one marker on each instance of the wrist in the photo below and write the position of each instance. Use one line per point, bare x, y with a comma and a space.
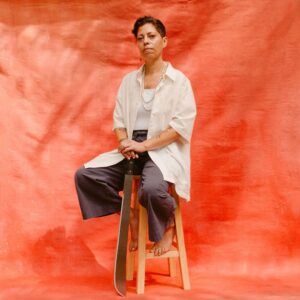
122, 139
146, 147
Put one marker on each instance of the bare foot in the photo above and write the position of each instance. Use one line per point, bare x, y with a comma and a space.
134, 227
164, 245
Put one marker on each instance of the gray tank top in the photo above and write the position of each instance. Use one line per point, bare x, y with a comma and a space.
144, 110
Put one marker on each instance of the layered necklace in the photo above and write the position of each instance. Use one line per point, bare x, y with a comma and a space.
147, 101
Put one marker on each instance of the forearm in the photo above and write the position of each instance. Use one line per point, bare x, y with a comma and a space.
165, 138
121, 133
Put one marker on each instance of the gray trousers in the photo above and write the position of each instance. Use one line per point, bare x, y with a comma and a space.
98, 191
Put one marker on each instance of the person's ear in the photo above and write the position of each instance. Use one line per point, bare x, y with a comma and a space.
165, 41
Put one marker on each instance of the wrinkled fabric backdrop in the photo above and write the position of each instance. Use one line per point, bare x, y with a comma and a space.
60, 67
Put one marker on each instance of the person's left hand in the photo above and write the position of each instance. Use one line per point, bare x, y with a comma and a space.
127, 155
134, 146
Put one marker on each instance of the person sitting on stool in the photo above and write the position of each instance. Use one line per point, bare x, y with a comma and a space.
153, 121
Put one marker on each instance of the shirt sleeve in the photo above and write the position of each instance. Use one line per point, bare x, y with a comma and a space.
118, 116
184, 115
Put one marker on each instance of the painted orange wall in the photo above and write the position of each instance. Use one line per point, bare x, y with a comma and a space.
60, 66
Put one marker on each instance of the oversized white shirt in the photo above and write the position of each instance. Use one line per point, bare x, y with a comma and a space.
173, 105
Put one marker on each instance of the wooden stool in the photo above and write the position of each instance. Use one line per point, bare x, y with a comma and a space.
143, 253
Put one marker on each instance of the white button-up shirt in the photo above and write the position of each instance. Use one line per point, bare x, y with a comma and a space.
174, 106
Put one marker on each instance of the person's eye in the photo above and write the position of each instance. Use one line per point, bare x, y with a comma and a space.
152, 36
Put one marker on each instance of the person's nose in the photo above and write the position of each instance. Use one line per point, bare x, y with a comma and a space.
146, 41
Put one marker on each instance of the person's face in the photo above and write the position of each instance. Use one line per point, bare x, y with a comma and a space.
150, 42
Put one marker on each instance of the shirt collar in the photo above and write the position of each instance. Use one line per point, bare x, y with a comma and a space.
170, 72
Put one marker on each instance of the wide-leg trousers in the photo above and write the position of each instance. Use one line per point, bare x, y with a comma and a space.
98, 191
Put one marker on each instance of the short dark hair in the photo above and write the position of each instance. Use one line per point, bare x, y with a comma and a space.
160, 27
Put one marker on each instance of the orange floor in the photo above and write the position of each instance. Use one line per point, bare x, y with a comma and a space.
204, 287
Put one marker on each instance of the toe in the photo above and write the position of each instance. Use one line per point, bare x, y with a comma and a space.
152, 249
158, 253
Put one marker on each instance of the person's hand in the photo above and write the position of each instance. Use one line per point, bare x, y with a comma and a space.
134, 146
128, 154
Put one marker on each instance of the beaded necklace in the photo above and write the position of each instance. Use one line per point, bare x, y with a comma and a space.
147, 102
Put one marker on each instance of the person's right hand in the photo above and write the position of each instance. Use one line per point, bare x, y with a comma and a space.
127, 155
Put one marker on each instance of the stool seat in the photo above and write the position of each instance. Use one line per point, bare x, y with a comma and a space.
143, 252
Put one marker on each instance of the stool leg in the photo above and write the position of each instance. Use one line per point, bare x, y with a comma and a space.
172, 266
130, 265
142, 250
131, 254
181, 248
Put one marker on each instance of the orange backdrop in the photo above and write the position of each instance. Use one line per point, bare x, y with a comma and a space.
60, 67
